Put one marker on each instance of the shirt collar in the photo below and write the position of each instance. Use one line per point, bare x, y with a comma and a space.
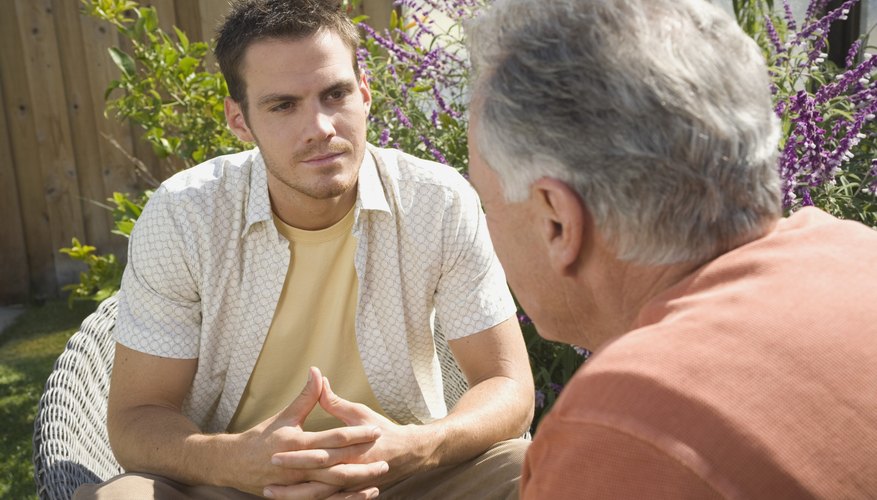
258, 202
371, 194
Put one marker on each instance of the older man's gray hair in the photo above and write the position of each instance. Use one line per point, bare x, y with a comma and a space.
657, 112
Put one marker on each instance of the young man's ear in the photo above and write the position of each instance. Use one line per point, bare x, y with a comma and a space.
365, 90
234, 115
564, 219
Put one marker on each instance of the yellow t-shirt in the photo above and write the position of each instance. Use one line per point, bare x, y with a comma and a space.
314, 325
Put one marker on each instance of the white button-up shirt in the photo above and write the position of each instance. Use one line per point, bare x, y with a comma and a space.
206, 266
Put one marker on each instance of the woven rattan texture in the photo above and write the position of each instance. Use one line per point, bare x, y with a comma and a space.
70, 436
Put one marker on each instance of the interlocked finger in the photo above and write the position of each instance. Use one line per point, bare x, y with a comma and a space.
320, 458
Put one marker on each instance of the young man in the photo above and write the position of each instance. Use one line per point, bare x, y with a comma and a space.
625, 151
314, 250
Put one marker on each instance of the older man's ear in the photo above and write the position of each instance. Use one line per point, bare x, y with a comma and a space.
564, 221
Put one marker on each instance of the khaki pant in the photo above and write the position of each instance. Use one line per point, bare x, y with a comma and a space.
493, 475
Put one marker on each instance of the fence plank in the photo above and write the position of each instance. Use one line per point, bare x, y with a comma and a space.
14, 286
52, 131
211, 13
20, 120
167, 18
45, 167
189, 18
378, 12
80, 106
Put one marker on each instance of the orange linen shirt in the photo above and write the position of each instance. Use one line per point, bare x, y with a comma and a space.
754, 377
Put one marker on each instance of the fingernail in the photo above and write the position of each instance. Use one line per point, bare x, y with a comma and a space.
275, 461
376, 431
385, 467
267, 493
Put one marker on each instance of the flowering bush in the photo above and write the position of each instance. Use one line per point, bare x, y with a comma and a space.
417, 71
828, 146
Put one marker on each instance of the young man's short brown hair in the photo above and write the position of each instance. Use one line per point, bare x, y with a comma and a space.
253, 20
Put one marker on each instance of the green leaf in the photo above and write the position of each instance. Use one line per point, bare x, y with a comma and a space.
124, 228
184, 40
123, 61
150, 18
187, 64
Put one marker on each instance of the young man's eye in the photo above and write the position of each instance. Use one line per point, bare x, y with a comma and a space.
283, 106
336, 95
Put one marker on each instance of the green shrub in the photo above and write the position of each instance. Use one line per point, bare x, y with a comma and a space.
164, 86
104, 274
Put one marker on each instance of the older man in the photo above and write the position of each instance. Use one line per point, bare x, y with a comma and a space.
625, 154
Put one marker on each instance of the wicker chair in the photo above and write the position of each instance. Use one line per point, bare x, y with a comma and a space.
70, 441
70, 444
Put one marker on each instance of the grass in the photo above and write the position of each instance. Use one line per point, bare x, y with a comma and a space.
28, 349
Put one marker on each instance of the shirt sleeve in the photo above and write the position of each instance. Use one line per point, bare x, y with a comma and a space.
159, 304
579, 460
472, 294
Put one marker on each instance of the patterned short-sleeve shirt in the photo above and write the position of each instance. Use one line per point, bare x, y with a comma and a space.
206, 266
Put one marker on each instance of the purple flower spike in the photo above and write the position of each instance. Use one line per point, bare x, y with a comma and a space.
853, 53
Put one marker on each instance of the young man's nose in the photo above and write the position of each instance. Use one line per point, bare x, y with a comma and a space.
319, 126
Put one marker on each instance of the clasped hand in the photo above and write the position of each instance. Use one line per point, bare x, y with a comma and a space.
347, 462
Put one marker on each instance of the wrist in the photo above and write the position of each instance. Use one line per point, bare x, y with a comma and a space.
427, 442
217, 454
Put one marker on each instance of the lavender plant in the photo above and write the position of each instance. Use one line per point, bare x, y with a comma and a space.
418, 71
827, 111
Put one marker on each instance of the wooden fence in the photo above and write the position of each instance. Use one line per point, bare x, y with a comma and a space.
58, 162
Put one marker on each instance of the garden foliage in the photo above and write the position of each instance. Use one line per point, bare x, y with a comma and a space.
418, 73
164, 87
827, 111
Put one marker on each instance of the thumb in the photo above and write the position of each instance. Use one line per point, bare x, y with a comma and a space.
346, 411
301, 406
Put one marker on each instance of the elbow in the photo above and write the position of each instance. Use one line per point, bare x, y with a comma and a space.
117, 434
524, 403
529, 409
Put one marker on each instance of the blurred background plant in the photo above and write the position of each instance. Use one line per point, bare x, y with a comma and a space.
418, 72
827, 108
165, 88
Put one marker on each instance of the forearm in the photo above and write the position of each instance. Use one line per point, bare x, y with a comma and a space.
162, 441
493, 410
157, 438
499, 402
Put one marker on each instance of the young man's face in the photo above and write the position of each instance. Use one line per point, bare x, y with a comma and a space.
307, 112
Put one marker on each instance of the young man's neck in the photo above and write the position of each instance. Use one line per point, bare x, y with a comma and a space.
310, 214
